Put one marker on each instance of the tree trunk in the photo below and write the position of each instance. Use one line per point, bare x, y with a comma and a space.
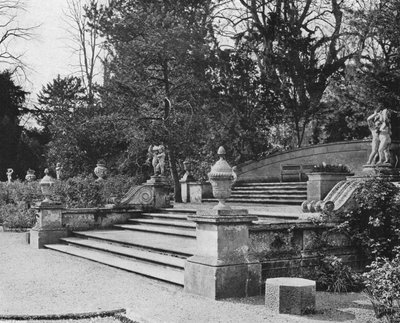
175, 177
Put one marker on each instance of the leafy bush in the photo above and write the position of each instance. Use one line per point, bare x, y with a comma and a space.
332, 275
15, 202
383, 287
81, 192
374, 224
327, 168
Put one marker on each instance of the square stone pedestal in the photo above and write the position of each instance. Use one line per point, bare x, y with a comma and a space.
221, 267
48, 228
158, 196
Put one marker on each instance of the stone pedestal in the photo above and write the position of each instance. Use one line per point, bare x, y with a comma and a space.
48, 228
159, 188
287, 295
196, 192
221, 267
320, 184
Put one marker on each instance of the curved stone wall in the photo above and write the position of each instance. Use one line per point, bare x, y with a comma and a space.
353, 154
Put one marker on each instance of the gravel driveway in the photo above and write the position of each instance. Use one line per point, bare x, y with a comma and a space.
45, 282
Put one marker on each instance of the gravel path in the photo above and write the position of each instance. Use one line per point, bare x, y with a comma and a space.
43, 282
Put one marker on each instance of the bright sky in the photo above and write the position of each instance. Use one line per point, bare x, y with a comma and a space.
49, 53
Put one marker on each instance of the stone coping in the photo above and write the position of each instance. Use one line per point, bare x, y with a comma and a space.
305, 225
290, 281
222, 219
101, 210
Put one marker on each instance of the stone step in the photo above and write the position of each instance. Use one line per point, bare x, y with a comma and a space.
129, 252
269, 191
273, 185
185, 232
165, 222
175, 211
174, 216
152, 241
268, 196
258, 201
149, 269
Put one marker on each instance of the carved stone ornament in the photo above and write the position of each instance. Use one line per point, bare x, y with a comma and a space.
221, 178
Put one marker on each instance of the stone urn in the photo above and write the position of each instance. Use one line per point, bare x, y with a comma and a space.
100, 170
221, 178
30, 175
46, 186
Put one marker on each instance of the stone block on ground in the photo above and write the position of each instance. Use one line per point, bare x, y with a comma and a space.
286, 295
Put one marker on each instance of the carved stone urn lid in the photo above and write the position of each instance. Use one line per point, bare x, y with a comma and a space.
221, 168
47, 180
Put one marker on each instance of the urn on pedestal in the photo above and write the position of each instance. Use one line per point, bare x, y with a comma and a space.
46, 186
30, 175
221, 178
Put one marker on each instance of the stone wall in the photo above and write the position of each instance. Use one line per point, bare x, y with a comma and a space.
353, 154
95, 218
292, 248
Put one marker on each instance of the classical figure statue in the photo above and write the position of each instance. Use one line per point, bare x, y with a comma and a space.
379, 125
156, 156
58, 171
373, 125
385, 140
9, 173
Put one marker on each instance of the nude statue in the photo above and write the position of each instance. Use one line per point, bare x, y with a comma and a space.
385, 140
156, 156
373, 125
9, 173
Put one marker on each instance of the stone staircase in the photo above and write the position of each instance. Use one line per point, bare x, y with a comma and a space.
293, 193
154, 244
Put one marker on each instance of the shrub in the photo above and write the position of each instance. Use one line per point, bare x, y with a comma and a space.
383, 287
332, 275
374, 224
82, 192
15, 202
331, 168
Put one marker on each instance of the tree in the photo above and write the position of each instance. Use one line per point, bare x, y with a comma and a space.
87, 41
298, 45
158, 72
12, 98
10, 31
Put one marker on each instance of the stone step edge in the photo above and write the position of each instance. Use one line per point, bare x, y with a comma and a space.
146, 269
258, 201
163, 216
129, 252
159, 229
172, 223
166, 251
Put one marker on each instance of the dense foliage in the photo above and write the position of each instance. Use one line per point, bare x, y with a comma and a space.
374, 224
382, 283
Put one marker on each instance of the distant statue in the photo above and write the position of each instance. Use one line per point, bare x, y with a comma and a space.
379, 124
373, 125
58, 171
9, 173
156, 156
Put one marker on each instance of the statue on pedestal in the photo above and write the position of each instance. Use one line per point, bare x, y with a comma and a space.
379, 125
9, 173
156, 155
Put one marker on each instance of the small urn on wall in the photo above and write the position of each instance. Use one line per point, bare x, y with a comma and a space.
30, 175
221, 178
100, 170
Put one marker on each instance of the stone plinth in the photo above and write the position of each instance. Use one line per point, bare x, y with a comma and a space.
320, 184
195, 192
287, 295
160, 191
48, 228
221, 267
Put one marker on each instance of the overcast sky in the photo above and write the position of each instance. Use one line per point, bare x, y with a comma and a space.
49, 53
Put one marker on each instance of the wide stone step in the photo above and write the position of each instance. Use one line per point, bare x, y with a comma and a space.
149, 269
173, 216
258, 201
129, 252
177, 210
273, 185
175, 245
268, 196
170, 223
264, 191
185, 232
